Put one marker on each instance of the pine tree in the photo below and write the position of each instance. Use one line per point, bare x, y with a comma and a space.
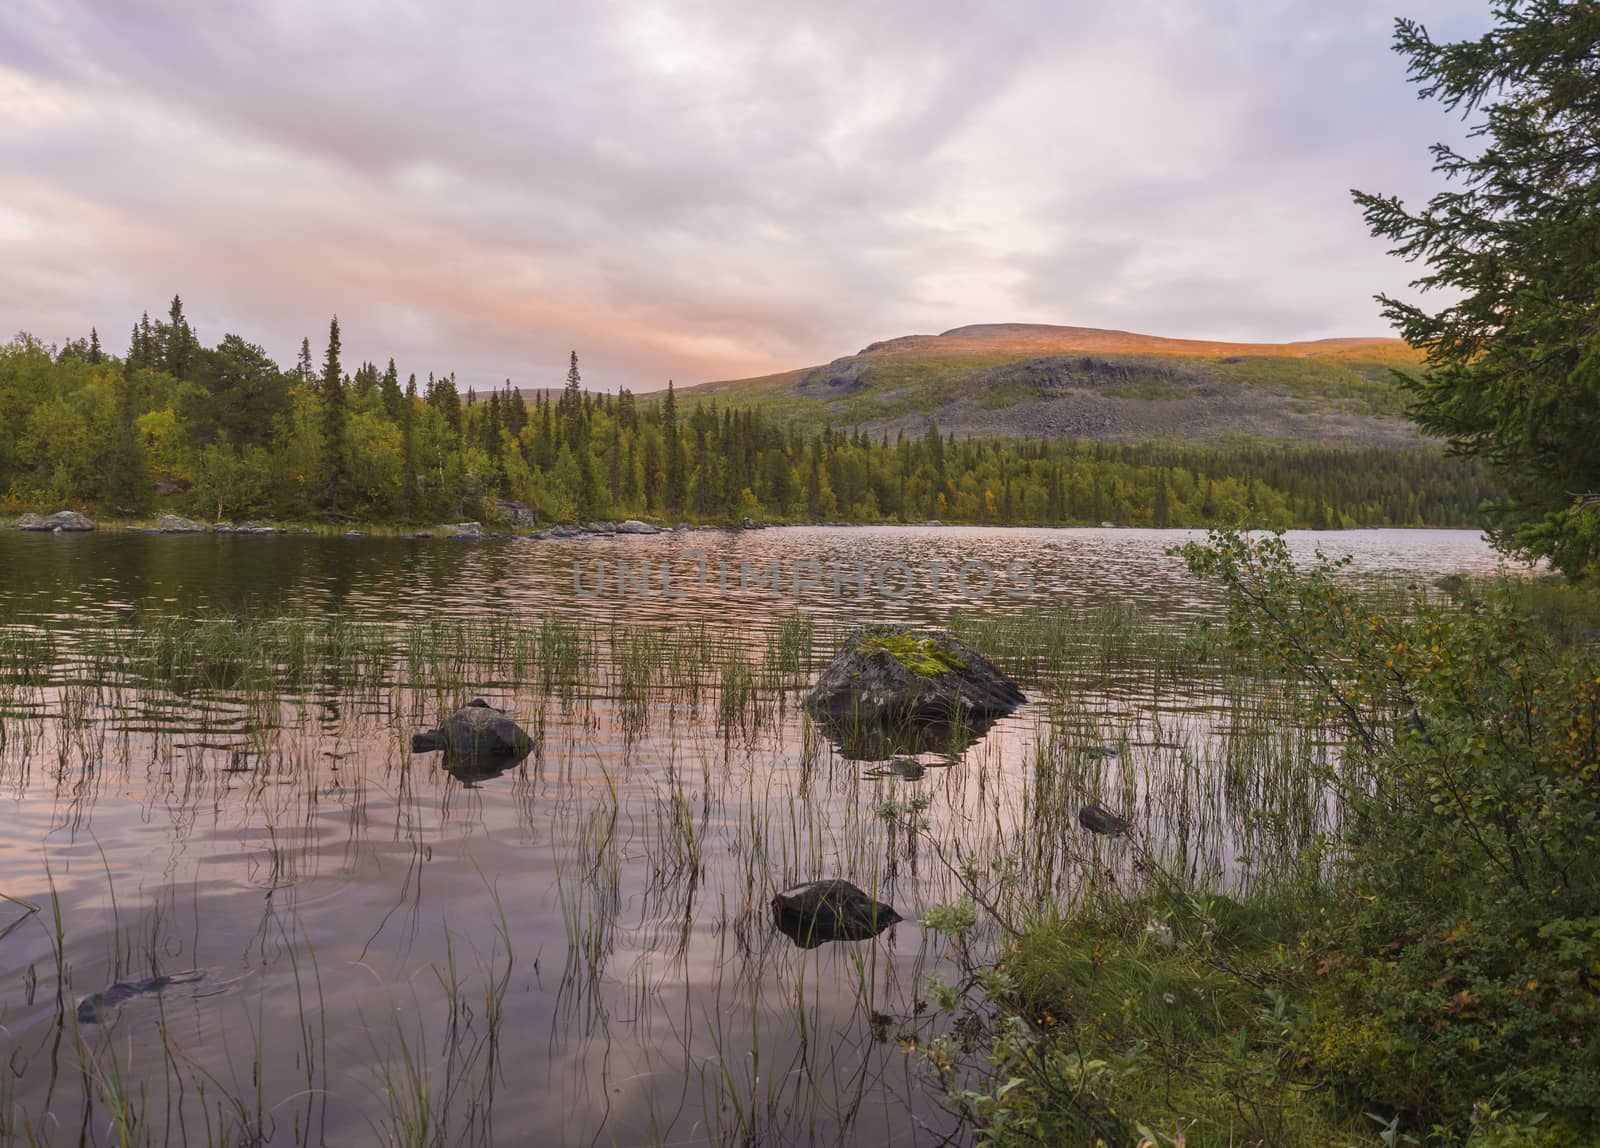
1513, 362
179, 341
393, 400
572, 405
96, 356
307, 367
408, 439
676, 481
333, 419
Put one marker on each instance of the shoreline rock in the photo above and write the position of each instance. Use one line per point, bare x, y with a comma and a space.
61, 522
178, 524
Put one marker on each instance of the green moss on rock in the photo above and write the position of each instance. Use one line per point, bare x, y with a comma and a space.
924, 656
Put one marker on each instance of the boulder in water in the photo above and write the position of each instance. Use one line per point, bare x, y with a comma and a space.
888, 675
477, 731
178, 524
634, 526
823, 911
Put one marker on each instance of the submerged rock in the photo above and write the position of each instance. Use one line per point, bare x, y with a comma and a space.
823, 911
476, 732
61, 522
92, 1009
890, 674
905, 768
1098, 819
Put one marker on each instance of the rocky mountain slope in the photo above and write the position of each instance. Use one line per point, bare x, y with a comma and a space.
1016, 379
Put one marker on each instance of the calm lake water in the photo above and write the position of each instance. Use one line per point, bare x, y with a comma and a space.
579, 950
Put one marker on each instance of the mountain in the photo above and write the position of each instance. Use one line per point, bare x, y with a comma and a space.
1023, 379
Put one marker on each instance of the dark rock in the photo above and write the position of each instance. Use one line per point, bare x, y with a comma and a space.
749, 524
1098, 819
257, 526
61, 522
823, 911
420, 534
599, 528
634, 526
890, 676
842, 376
517, 514
177, 524
562, 530
92, 1009
477, 732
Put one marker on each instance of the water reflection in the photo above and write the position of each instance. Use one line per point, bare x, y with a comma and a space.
580, 944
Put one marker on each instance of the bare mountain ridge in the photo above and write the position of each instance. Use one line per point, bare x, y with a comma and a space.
1020, 379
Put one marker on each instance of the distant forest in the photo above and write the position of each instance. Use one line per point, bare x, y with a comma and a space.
224, 432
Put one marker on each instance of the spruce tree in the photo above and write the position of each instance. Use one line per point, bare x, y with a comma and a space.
393, 400
179, 341
572, 405
1513, 363
408, 440
333, 419
672, 446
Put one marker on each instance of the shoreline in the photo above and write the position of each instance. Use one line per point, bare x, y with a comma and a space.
558, 532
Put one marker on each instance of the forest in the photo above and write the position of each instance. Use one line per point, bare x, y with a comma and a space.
223, 432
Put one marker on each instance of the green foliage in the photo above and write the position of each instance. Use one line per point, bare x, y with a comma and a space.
1428, 974
1464, 954
311, 442
1514, 363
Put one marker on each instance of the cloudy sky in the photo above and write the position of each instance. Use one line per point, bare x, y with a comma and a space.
700, 188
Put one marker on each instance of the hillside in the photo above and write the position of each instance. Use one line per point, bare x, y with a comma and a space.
1114, 386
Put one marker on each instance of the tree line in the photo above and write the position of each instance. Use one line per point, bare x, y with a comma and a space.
224, 432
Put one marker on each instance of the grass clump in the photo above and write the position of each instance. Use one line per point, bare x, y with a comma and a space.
926, 656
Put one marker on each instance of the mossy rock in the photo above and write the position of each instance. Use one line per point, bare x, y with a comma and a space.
893, 682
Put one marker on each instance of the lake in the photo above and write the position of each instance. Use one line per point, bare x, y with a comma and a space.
205, 759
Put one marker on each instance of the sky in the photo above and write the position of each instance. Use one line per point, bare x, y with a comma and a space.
701, 189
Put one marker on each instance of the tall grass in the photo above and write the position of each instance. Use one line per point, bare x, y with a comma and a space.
675, 787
